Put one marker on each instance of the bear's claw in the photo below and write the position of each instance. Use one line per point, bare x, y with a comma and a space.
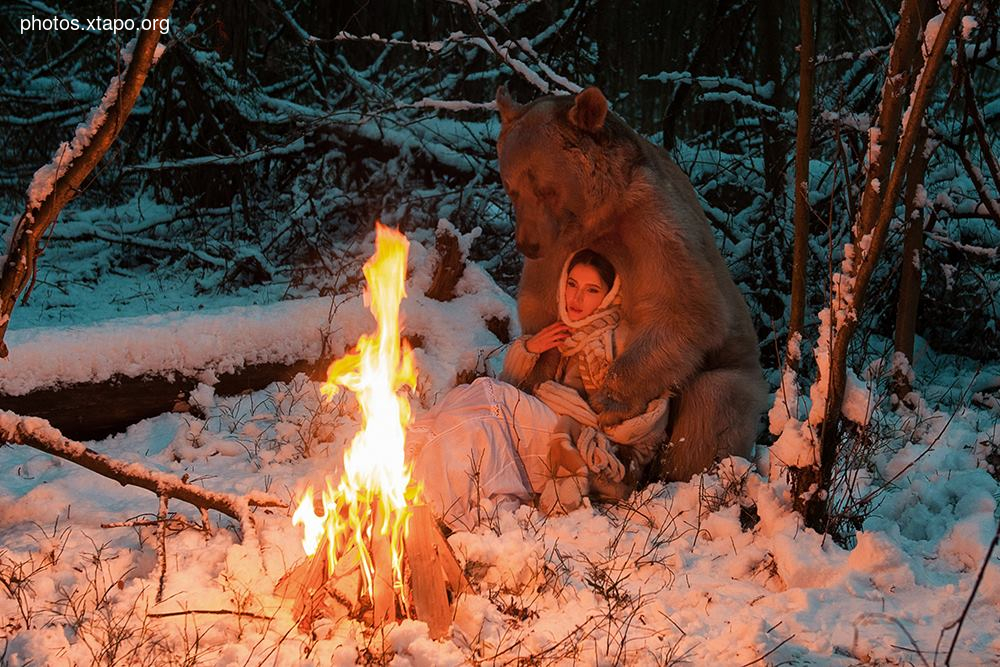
611, 410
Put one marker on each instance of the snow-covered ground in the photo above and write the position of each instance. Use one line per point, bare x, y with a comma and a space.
673, 576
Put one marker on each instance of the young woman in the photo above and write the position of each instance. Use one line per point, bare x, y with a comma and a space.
589, 313
490, 444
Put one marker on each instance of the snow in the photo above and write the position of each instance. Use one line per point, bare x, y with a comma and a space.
672, 572
874, 150
786, 399
676, 575
969, 23
184, 342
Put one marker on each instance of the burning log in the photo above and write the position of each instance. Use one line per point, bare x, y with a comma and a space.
434, 572
435, 580
369, 520
383, 592
318, 593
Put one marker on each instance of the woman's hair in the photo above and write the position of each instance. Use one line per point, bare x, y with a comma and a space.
588, 257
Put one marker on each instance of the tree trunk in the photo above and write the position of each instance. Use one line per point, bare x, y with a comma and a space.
682, 91
769, 29
30, 229
848, 306
800, 255
882, 146
909, 272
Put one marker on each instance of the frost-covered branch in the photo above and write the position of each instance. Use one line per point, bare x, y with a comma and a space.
989, 202
39, 434
55, 184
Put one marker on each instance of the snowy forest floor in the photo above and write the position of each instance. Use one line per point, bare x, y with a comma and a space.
679, 574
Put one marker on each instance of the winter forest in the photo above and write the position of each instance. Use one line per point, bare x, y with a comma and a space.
189, 195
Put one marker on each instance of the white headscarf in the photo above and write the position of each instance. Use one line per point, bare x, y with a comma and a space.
591, 339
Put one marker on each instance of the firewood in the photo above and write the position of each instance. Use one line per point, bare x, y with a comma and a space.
317, 593
307, 576
384, 594
427, 566
435, 580
453, 571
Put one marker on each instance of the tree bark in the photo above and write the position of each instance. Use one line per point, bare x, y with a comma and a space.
30, 229
39, 434
96, 410
682, 91
894, 94
769, 53
449, 269
910, 271
800, 255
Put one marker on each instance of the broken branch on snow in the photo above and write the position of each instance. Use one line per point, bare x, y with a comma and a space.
39, 434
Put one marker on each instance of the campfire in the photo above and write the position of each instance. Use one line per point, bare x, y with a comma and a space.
373, 551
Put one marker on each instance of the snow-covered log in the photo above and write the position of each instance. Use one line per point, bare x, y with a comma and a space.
94, 410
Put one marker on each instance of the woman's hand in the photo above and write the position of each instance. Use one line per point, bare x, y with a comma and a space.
548, 338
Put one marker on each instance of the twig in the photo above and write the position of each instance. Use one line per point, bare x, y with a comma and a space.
977, 119
972, 596
780, 644
217, 612
885, 617
161, 547
992, 205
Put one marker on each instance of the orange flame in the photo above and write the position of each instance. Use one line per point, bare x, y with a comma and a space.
376, 477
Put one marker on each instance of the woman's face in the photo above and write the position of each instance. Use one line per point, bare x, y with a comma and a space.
584, 291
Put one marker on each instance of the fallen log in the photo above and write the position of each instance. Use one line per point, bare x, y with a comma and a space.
40, 434
93, 411
96, 410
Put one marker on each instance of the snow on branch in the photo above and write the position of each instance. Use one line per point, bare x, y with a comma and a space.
295, 147
839, 322
55, 184
39, 434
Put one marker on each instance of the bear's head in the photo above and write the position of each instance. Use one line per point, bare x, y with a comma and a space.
555, 166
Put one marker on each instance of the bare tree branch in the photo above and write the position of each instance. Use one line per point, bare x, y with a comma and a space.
39, 434
30, 229
871, 234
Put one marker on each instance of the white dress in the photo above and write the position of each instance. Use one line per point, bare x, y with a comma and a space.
484, 445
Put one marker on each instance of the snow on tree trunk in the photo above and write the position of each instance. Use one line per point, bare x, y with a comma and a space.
55, 184
811, 483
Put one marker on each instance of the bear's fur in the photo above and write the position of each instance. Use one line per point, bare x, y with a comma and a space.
578, 177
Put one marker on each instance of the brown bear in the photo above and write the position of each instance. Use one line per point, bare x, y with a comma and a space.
579, 177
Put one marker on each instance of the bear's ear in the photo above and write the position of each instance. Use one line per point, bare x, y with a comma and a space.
590, 110
508, 108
